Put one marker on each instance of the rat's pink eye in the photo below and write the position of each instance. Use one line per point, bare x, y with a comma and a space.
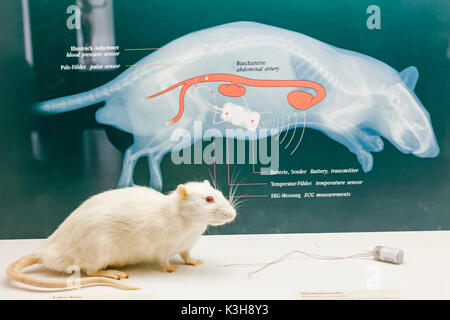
209, 199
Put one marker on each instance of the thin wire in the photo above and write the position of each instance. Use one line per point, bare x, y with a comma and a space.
361, 255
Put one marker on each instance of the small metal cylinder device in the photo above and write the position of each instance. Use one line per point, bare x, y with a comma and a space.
387, 254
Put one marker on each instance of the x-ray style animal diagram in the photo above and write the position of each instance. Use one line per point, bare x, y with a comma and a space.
254, 76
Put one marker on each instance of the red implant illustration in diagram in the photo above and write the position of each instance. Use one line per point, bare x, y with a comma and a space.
236, 88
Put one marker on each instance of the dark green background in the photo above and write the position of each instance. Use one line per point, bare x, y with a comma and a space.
402, 192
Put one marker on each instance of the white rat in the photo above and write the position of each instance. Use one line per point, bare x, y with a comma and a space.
127, 226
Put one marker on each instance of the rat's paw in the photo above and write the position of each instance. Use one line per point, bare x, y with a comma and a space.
122, 274
169, 268
194, 263
113, 274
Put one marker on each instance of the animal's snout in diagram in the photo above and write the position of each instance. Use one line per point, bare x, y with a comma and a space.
236, 88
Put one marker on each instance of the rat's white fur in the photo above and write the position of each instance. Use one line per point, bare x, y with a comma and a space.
132, 225
128, 226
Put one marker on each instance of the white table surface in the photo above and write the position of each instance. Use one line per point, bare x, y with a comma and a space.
425, 273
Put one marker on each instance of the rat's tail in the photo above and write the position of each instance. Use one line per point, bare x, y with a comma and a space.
14, 272
74, 101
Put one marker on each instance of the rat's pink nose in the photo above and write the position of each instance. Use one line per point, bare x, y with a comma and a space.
230, 215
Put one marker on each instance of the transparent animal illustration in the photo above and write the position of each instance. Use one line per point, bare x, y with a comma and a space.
264, 77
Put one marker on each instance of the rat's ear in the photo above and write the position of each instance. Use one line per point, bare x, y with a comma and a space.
207, 182
181, 189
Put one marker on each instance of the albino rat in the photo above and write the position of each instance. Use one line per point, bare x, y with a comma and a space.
127, 226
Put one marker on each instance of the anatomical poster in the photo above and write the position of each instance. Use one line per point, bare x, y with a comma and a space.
317, 116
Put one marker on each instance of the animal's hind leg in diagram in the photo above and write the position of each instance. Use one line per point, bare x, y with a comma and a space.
129, 163
154, 165
155, 153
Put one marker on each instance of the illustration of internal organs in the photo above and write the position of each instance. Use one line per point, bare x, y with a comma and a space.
281, 79
298, 99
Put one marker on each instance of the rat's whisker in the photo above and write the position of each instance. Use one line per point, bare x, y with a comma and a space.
214, 183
